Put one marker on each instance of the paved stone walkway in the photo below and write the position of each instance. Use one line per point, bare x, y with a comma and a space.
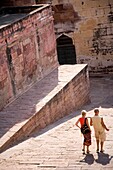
19, 115
58, 146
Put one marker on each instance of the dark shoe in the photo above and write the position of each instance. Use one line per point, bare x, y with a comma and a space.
83, 152
102, 151
88, 152
97, 151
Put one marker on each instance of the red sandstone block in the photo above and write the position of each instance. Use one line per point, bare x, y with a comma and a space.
42, 123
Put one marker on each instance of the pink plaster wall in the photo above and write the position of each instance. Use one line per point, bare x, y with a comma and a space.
31, 44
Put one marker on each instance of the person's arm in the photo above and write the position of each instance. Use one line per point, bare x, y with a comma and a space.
88, 124
91, 122
77, 123
103, 124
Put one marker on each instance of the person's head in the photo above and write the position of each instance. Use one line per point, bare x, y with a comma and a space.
96, 111
83, 112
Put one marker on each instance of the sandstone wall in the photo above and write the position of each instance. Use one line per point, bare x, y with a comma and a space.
72, 95
27, 53
90, 24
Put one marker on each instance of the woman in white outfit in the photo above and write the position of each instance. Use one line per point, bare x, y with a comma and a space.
99, 128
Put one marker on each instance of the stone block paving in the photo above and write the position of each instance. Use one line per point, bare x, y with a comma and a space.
17, 116
59, 145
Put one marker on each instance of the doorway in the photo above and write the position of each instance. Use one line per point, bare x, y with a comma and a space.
66, 50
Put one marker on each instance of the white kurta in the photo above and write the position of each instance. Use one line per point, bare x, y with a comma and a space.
99, 129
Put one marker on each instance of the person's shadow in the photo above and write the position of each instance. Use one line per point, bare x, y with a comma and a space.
89, 159
103, 158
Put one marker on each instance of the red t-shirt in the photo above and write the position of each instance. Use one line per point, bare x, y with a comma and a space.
81, 120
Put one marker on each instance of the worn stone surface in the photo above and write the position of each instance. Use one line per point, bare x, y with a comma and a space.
46, 102
90, 24
58, 146
27, 50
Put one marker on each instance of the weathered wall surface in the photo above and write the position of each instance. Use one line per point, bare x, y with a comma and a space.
27, 53
90, 24
73, 95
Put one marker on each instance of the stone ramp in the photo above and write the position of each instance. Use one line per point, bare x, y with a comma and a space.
59, 93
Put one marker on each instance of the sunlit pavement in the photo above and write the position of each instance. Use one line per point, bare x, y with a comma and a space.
59, 146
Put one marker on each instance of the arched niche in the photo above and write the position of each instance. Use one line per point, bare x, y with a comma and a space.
66, 50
